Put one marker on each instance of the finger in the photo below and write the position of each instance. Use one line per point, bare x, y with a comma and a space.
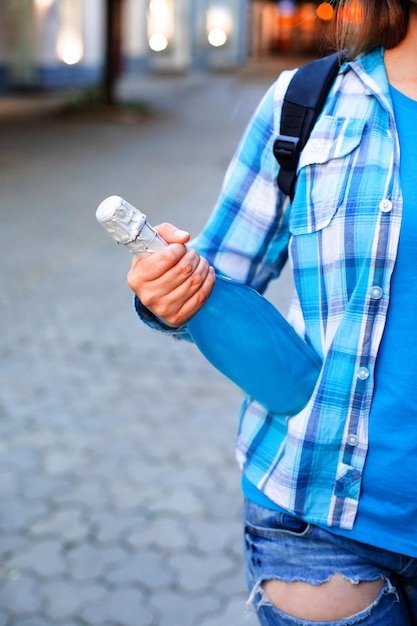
183, 277
154, 265
184, 301
194, 304
172, 234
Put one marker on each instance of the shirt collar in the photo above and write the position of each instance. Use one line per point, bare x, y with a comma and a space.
370, 70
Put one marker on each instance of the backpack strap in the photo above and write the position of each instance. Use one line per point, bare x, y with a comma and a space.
303, 102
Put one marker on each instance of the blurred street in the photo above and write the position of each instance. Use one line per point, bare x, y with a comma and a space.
120, 500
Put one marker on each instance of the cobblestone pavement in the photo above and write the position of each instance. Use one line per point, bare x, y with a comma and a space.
119, 492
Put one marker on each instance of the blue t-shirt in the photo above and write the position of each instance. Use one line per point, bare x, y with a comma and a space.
388, 506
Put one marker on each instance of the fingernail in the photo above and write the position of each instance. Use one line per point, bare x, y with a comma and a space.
180, 233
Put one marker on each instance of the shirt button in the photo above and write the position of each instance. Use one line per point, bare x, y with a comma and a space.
376, 293
385, 205
363, 373
352, 440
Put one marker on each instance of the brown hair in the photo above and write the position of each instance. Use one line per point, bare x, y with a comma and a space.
382, 23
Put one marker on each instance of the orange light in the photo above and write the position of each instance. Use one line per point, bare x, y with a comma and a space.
352, 12
325, 12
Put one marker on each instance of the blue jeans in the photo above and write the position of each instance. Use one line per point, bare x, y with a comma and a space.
280, 546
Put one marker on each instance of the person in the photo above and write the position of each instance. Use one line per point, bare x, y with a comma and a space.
331, 492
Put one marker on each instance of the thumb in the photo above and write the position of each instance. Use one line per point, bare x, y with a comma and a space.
172, 234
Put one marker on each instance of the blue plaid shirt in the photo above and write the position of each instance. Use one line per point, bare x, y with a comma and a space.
341, 235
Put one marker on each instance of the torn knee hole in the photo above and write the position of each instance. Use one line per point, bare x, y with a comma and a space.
337, 598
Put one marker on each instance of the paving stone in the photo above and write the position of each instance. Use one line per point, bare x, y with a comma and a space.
68, 524
125, 606
111, 527
21, 457
90, 494
228, 476
181, 501
65, 599
8, 483
125, 497
146, 473
197, 573
36, 438
234, 547
235, 613
65, 461
174, 609
201, 453
198, 478
45, 558
10, 543
33, 621
164, 532
39, 486
214, 535
87, 562
20, 596
147, 568
226, 506
16, 515
233, 583
5, 619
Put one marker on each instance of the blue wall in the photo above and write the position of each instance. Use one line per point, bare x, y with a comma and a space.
68, 75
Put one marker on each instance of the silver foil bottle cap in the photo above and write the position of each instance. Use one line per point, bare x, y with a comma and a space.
121, 220
128, 226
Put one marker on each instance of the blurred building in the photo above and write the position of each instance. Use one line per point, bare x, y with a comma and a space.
46, 44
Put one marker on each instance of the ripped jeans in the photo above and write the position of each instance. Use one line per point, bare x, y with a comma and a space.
282, 547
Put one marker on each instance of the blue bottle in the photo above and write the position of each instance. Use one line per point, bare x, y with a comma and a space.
244, 336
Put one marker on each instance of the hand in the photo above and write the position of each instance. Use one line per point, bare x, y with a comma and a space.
173, 283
